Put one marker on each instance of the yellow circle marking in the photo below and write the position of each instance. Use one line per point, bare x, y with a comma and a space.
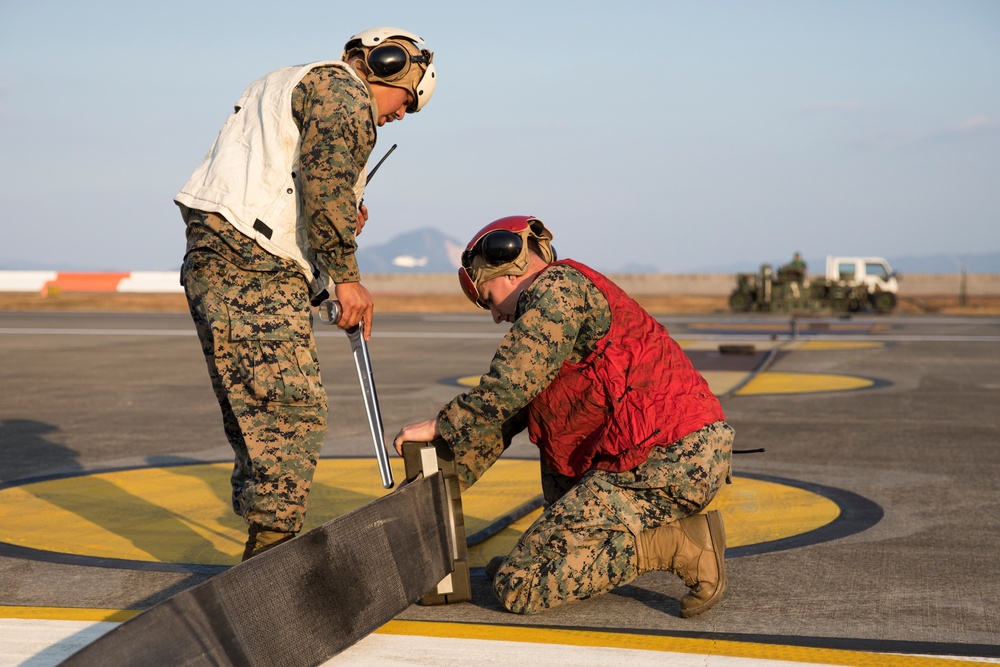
802, 383
182, 514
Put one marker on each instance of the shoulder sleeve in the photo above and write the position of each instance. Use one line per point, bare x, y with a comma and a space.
553, 313
333, 113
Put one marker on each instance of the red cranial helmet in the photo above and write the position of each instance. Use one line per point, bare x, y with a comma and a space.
500, 248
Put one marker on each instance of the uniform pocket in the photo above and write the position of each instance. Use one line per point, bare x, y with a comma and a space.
275, 360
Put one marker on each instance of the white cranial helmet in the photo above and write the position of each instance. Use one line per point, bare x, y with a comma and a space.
394, 57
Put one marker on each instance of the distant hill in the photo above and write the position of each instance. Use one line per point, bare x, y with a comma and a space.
428, 250
423, 251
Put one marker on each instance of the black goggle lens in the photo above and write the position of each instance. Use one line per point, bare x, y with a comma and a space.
390, 60
387, 60
501, 247
497, 247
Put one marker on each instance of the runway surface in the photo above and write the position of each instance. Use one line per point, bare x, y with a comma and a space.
866, 533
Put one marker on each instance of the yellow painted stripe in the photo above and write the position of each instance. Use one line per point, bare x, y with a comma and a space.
801, 383
721, 382
622, 640
68, 613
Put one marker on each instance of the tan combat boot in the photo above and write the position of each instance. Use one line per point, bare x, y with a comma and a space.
693, 548
260, 540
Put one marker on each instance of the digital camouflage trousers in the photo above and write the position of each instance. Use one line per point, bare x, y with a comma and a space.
583, 544
256, 333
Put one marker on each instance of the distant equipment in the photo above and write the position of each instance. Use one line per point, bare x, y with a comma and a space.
851, 284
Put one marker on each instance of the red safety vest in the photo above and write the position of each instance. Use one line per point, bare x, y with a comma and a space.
637, 390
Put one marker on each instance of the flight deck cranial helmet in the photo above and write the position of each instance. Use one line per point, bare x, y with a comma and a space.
501, 249
394, 57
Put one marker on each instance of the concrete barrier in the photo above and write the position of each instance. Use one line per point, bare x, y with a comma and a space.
147, 282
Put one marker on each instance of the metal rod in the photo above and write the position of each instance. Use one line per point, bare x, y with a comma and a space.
367, 380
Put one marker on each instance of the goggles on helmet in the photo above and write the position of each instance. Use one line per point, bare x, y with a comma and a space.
391, 63
497, 247
390, 53
391, 60
499, 243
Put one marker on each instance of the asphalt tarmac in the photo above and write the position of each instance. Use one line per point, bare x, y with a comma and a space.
867, 532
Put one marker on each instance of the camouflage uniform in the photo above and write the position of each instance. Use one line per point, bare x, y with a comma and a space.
584, 542
251, 308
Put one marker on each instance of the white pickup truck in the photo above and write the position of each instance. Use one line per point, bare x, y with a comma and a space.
874, 273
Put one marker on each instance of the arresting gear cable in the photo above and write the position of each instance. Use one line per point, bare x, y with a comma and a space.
310, 598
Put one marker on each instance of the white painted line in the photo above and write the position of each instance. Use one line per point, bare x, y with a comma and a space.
381, 650
36, 643
46, 643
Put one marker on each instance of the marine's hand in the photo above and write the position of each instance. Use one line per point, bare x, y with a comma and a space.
424, 431
362, 218
355, 304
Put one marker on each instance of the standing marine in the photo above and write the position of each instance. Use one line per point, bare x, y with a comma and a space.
272, 216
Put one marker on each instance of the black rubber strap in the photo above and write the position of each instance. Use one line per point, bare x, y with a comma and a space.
303, 601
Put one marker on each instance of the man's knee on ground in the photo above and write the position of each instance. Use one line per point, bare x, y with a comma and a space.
518, 591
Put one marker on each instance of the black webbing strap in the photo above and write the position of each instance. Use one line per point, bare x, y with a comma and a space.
303, 601
259, 226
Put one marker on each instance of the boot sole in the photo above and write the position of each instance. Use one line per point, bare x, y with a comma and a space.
717, 530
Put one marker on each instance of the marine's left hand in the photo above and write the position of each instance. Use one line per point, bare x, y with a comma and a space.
362, 219
424, 431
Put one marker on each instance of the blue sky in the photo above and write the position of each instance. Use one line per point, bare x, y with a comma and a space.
670, 136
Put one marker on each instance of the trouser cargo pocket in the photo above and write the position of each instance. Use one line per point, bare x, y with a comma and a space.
274, 358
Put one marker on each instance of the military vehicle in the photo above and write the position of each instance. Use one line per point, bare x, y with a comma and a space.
850, 284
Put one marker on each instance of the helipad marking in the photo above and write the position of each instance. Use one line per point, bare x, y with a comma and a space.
802, 383
720, 382
181, 514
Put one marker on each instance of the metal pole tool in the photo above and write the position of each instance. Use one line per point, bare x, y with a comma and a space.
329, 313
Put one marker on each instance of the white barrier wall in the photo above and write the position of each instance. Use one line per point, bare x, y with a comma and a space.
25, 281
695, 284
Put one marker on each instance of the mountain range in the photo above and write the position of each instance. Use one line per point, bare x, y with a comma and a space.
430, 251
